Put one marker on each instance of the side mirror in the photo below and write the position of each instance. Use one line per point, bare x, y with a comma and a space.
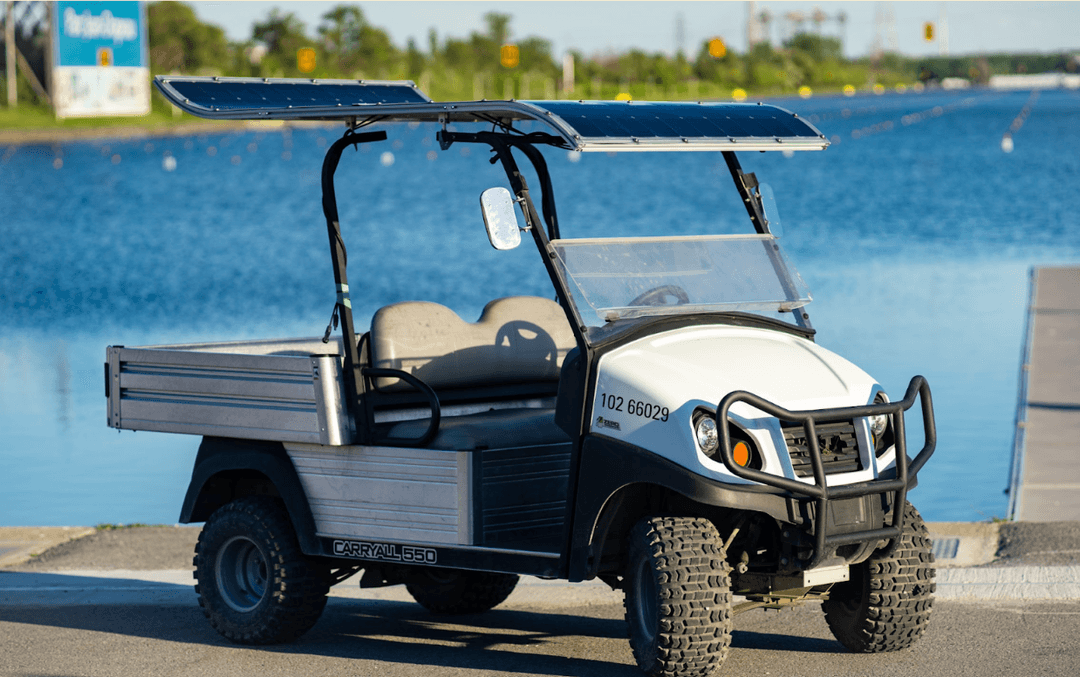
500, 219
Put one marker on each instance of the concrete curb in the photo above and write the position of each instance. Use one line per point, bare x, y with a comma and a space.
1009, 583
964, 544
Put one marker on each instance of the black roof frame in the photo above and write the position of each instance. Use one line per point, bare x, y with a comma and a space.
502, 144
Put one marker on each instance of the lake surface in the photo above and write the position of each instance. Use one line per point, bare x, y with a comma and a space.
914, 231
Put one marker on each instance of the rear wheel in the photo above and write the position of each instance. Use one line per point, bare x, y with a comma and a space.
886, 605
254, 584
456, 591
678, 597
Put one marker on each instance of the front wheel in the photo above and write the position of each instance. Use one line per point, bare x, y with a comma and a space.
678, 597
254, 584
886, 604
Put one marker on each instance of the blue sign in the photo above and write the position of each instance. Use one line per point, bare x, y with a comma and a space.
100, 34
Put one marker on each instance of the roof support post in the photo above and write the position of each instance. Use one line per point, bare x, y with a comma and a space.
354, 383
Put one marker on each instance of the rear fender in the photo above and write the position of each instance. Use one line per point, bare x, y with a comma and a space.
227, 469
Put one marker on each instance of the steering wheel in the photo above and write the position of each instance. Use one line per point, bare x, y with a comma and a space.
657, 296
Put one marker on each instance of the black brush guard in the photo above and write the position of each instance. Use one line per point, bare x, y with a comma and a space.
820, 490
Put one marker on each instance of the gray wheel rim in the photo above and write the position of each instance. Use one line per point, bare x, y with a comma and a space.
241, 573
645, 601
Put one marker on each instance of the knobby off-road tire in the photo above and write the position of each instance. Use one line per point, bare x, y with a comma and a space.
254, 584
886, 605
678, 597
456, 591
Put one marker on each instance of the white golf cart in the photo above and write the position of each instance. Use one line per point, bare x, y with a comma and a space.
668, 425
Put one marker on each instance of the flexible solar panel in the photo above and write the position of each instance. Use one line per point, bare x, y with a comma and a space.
621, 120
226, 95
578, 125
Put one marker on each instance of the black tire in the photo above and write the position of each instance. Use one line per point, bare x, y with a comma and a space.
456, 591
886, 605
678, 596
254, 584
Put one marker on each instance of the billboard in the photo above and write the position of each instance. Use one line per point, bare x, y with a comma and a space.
99, 62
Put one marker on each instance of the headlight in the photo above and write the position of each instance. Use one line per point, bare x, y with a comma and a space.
880, 430
877, 425
707, 437
708, 440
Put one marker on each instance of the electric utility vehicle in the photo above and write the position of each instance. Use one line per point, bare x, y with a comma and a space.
667, 425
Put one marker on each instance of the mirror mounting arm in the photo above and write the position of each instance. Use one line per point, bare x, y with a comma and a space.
526, 144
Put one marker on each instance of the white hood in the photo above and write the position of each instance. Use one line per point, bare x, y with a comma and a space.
678, 371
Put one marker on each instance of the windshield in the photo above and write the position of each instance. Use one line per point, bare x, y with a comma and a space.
627, 278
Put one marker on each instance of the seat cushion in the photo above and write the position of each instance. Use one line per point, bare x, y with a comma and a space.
518, 339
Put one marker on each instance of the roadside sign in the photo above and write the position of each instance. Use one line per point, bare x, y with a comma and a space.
509, 55
100, 65
305, 59
717, 48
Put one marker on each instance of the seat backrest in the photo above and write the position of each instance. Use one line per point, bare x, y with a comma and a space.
519, 339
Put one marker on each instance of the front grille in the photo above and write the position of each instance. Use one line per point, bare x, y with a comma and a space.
836, 441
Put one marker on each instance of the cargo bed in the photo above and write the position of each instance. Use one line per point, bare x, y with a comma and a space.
287, 390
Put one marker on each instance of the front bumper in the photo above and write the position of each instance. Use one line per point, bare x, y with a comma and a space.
820, 491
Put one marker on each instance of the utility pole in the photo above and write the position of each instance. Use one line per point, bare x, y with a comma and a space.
9, 55
680, 36
753, 27
943, 32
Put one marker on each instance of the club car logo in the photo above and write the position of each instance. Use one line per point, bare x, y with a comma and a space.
387, 552
602, 422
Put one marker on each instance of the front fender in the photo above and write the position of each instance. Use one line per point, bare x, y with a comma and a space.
608, 466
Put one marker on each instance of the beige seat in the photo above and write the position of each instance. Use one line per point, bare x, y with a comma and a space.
519, 339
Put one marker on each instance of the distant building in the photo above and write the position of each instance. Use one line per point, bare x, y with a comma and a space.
1029, 81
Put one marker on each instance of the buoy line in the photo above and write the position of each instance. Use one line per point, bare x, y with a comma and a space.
1018, 122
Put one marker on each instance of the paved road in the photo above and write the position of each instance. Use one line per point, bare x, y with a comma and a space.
391, 638
71, 612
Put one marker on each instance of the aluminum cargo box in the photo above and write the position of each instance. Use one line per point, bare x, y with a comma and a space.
285, 390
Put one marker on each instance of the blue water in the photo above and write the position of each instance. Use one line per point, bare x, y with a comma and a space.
914, 231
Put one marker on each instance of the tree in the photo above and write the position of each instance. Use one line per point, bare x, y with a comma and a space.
498, 27
536, 56
340, 29
414, 60
818, 47
352, 44
179, 42
283, 35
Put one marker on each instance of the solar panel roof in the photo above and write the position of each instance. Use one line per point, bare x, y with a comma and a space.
616, 119
223, 96
581, 125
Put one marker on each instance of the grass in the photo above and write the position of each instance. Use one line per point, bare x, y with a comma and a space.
28, 116
115, 527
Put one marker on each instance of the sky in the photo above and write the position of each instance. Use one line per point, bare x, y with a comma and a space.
598, 27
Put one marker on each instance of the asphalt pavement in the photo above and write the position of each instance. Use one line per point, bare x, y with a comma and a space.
121, 602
